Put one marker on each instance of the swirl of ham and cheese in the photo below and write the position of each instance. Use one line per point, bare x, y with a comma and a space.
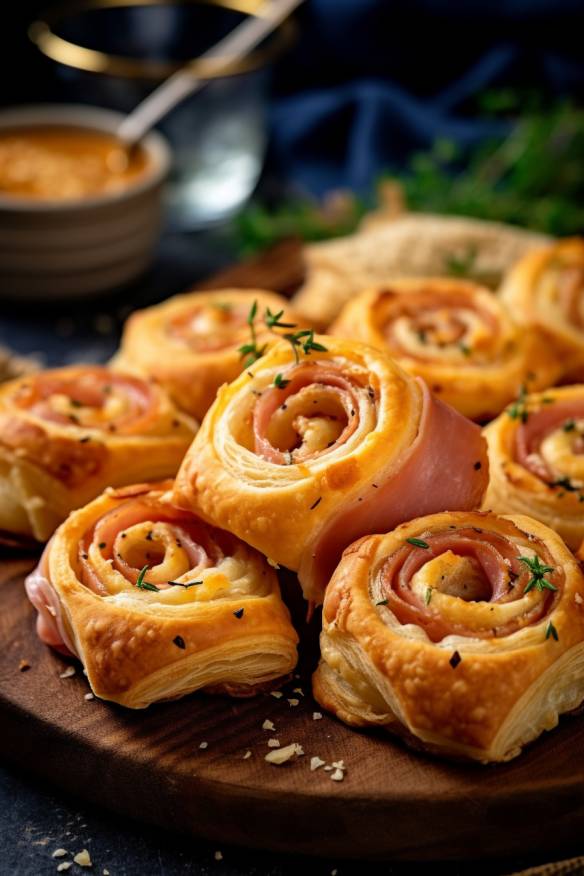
304, 453
455, 630
132, 552
67, 433
191, 343
454, 334
545, 291
536, 453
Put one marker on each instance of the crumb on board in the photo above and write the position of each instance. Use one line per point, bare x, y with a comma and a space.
273, 743
89, 696
293, 701
204, 745
218, 856
282, 755
59, 853
316, 762
68, 672
247, 755
23, 665
268, 725
277, 694
64, 865
316, 716
82, 858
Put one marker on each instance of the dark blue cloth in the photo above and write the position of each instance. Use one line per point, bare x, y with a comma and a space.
371, 81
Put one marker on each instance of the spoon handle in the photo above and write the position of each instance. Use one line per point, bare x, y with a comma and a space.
232, 48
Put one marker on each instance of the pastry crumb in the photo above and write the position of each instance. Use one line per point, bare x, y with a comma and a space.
204, 745
298, 690
316, 762
277, 694
89, 696
82, 858
64, 865
293, 701
68, 672
273, 743
247, 755
218, 856
282, 755
24, 665
268, 725
316, 716
59, 853
337, 776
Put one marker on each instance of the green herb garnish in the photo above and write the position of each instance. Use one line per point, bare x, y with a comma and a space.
418, 542
251, 351
518, 410
551, 631
141, 584
274, 320
279, 381
466, 351
538, 571
569, 425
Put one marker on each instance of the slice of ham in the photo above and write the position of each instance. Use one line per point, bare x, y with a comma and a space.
50, 626
324, 377
530, 435
445, 469
496, 561
89, 388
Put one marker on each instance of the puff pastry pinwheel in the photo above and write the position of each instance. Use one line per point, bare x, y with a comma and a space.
192, 343
546, 289
462, 632
68, 433
315, 446
156, 604
456, 335
536, 456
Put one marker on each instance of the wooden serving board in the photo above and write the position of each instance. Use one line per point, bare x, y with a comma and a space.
148, 765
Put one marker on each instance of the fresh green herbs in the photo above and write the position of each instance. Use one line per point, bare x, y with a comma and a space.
279, 381
569, 426
304, 341
566, 483
462, 265
251, 351
141, 584
186, 586
300, 341
550, 631
518, 410
538, 570
464, 349
418, 542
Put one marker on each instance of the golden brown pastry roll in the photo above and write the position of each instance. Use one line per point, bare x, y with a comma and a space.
156, 604
413, 245
315, 446
536, 457
192, 343
546, 289
454, 334
462, 632
67, 434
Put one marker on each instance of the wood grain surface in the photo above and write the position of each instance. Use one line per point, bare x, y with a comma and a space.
393, 802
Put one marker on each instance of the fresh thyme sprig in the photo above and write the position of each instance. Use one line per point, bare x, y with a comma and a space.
538, 571
274, 320
518, 410
304, 340
280, 382
141, 584
251, 351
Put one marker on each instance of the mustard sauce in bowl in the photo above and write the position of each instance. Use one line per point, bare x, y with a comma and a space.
61, 162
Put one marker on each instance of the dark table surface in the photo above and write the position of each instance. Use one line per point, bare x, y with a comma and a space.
36, 820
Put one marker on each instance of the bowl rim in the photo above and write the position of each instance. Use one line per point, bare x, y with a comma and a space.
93, 118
